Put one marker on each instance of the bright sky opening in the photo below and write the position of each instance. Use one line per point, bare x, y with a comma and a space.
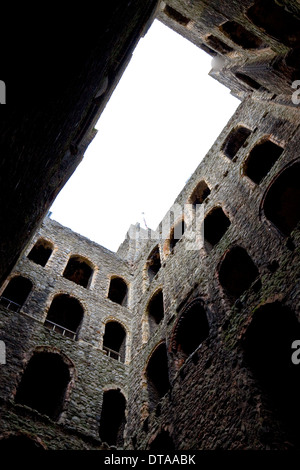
161, 120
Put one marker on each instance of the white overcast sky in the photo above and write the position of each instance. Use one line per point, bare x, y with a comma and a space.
161, 120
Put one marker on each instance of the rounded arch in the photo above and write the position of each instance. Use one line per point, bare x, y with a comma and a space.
65, 315
79, 269
154, 311
46, 382
280, 205
115, 339
41, 251
118, 290
191, 329
200, 192
157, 374
113, 416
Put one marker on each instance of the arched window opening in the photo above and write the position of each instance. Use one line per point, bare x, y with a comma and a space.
200, 193
261, 159
267, 353
153, 263
237, 272
157, 374
216, 224
16, 293
282, 202
235, 140
41, 252
249, 81
176, 233
191, 330
118, 291
276, 21
78, 271
112, 421
240, 35
163, 442
65, 315
114, 341
20, 442
44, 384
219, 46
155, 311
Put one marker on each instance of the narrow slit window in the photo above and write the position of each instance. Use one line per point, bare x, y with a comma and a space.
155, 311
78, 271
200, 193
41, 252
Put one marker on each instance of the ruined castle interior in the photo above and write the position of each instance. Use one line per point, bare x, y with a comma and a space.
159, 345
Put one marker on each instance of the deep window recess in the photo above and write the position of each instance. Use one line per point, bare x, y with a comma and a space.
282, 201
240, 35
112, 421
44, 383
16, 293
237, 272
155, 311
219, 46
200, 193
267, 346
41, 252
216, 224
78, 271
153, 263
191, 330
157, 374
118, 291
114, 341
276, 21
175, 15
176, 233
65, 315
235, 140
261, 159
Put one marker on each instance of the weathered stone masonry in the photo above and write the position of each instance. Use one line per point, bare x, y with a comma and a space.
177, 348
